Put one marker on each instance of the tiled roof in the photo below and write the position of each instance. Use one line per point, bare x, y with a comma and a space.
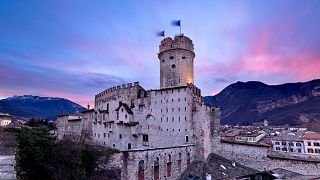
126, 107
286, 137
313, 136
217, 166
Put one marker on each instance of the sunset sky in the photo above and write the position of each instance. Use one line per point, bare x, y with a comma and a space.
76, 49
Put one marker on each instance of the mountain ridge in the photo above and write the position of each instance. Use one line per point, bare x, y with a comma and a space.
28, 106
254, 101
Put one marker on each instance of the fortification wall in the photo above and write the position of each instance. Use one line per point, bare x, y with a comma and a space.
130, 162
260, 158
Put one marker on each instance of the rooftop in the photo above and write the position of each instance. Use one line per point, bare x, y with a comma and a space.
312, 136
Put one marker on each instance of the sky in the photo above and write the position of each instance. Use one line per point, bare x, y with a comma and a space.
76, 49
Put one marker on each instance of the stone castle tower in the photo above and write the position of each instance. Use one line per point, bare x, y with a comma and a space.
176, 61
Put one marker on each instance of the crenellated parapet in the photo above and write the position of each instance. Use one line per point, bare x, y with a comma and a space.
116, 91
179, 42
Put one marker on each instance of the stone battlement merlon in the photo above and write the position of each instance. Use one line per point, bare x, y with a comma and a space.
179, 42
117, 89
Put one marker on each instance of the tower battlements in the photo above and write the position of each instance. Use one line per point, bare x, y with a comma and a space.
179, 42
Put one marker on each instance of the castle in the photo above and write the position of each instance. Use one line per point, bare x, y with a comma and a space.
159, 131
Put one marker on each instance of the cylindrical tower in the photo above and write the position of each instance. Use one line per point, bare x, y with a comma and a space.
176, 61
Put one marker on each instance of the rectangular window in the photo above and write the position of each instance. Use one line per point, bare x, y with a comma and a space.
178, 99
298, 144
284, 143
104, 134
172, 109
316, 144
113, 145
278, 148
310, 150
145, 138
309, 143
317, 151
277, 143
291, 144
284, 149
299, 150
120, 136
172, 119
187, 139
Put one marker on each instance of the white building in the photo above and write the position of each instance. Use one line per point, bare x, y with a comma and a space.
311, 143
289, 143
5, 119
250, 137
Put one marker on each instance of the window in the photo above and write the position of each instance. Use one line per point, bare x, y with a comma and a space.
167, 119
126, 116
183, 57
98, 135
162, 60
277, 148
173, 66
122, 110
113, 145
284, 143
172, 119
179, 98
310, 150
291, 149
161, 119
298, 144
187, 139
172, 109
277, 143
317, 151
284, 149
120, 136
179, 118
185, 108
291, 144
145, 138
299, 150
316, 144
129, 146
104, 134
171, 57
309, 143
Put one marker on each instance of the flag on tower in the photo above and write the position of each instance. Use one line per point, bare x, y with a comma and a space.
176, 23
160, 33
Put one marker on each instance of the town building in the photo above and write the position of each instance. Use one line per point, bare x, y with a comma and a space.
290, 143
251, 137
5, 119
311, 143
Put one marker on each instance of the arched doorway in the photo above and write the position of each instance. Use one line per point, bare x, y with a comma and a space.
141, 170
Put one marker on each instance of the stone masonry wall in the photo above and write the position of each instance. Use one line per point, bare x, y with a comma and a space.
128, 162
260, 158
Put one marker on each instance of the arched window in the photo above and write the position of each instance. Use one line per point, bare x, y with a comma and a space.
156, 169
141, 170
188, 159
179, 163
169, 163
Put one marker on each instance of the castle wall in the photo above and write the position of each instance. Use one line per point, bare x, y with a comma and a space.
128, 162
260, 158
